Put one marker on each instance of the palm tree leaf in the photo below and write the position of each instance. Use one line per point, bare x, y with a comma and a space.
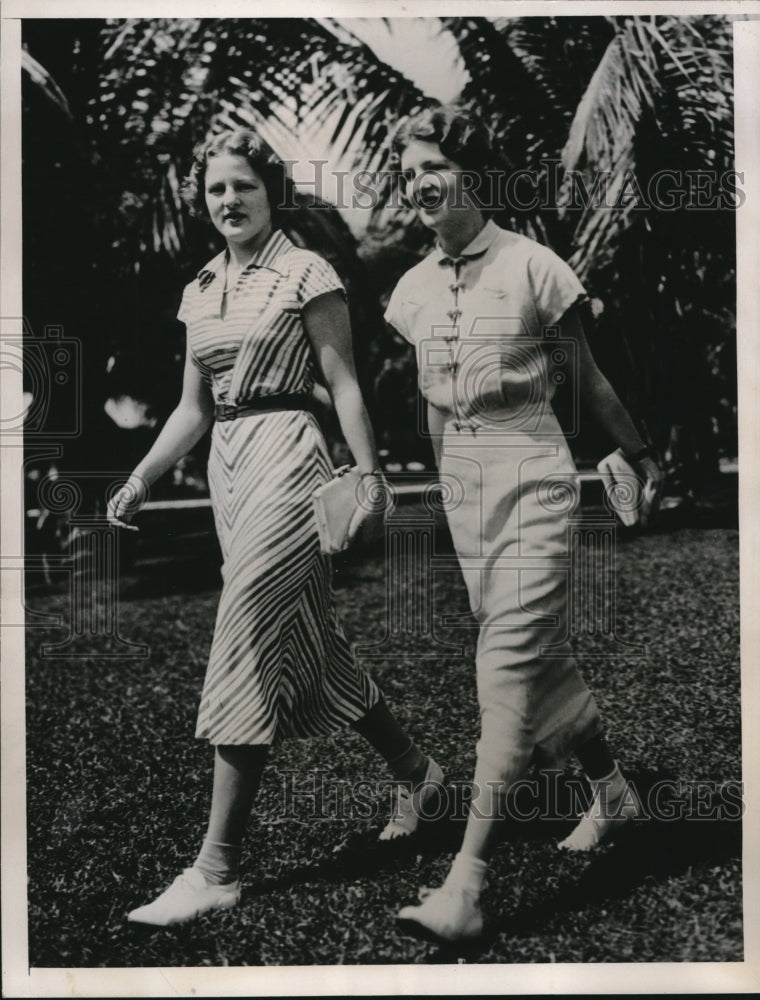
167, 82
663, 77
501, 81
45, 82
622, 85
355, 76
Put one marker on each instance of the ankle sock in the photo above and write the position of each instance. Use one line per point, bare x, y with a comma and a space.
218, 863
411, 765
613, 802
611, 786
467, 873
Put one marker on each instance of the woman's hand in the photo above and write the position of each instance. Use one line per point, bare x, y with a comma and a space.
374, 498
124, 504
651, 494
500, 390
517, 387
370, 526
188, 421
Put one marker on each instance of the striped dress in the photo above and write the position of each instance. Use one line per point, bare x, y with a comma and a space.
280, 665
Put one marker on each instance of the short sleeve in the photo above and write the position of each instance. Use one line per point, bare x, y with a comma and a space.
555, 286
183, 315
394, 314
317, 278
183, 306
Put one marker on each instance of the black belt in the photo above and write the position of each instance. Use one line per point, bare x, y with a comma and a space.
264, 404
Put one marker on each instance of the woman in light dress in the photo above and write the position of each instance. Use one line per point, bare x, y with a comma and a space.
495, 323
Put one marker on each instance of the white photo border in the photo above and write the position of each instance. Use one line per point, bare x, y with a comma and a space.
701, 977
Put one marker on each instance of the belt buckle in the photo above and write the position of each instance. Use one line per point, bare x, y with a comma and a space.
226, 411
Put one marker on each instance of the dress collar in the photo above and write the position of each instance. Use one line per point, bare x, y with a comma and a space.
269, 256
475, 248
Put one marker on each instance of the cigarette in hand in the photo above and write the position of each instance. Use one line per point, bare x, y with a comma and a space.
122, 524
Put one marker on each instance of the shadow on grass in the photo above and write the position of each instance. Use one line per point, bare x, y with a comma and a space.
654, 850
363, 856
651, 849
645, 851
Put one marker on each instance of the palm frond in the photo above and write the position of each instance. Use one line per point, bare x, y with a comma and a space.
666, 79
516, 101
167, 82
624, 83
40, 77
368, 92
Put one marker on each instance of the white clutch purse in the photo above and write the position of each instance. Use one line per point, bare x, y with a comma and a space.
336, 504
622, 485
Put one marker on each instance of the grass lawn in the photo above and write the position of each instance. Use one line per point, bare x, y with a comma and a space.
118, 788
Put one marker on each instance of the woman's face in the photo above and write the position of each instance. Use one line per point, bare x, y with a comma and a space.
436, 186
237, 201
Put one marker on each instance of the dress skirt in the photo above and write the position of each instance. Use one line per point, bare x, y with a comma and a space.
280, 665
510, 495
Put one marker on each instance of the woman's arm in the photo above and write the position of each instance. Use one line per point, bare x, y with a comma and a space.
327, 325
436, 423
186, 425
595, 391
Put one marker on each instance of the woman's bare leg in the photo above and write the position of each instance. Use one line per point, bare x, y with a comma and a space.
237, 777
211, 883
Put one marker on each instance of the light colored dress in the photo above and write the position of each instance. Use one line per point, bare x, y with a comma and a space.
280, 665
508, 480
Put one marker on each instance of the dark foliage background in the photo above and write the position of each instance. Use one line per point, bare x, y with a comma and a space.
112, 109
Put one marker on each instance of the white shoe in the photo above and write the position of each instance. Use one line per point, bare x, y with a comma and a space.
450, 913
187, 897
410, 805
605, 814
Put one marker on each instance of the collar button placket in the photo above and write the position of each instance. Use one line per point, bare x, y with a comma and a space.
453, 338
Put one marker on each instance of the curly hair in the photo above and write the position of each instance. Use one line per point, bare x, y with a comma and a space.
260, 157
462, 137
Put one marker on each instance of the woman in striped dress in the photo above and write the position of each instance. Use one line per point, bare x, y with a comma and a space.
494, 319
260, 317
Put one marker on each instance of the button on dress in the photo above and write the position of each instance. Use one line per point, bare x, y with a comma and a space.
280, 665
509, 479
